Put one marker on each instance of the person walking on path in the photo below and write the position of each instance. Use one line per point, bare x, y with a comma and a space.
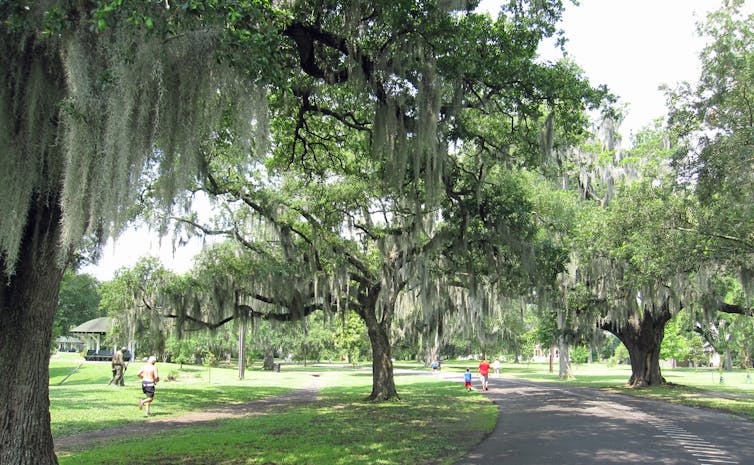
149, 377
467, 379
119, 367
496, 367
484, 372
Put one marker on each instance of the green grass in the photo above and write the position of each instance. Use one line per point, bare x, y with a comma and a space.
84, 402
697, 387
434, 422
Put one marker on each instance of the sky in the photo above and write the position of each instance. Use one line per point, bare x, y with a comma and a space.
632, 46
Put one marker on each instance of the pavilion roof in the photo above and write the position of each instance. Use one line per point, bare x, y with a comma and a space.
99, 325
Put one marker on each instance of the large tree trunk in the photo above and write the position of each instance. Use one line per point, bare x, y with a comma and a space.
727, 360
268, 363
383, 381
642, 336
28, 301
433, 352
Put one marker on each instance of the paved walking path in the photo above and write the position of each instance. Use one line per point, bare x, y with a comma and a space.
553, 423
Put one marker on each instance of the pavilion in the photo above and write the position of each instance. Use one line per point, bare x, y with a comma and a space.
92, 332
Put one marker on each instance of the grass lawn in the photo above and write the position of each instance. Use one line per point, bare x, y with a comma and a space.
434, 422
698, 387
84, 401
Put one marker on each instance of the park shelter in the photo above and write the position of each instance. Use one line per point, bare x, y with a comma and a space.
70, 344
92, 332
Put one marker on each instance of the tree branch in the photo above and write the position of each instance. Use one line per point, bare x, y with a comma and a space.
199, 322
308, 310
734, 239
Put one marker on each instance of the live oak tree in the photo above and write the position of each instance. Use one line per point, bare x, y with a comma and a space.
630, 265
361, 137
638, 274
92, 96
641, 258
131, 300
715, 120
98, 94
691, 239
344, 255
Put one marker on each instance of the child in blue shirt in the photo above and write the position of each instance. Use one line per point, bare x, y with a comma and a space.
467, 379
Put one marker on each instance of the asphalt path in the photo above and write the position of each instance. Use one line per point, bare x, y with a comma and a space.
543, 424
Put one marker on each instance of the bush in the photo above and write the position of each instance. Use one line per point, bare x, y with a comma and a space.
619, 356
579, 354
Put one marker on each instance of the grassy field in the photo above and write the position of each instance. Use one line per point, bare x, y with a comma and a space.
435, 422
84, 401
699, 387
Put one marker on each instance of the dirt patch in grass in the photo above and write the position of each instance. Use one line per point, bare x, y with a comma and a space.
154, 424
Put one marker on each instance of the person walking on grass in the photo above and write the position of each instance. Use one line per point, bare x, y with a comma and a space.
119, 367
467, 379
149, 377
484, 372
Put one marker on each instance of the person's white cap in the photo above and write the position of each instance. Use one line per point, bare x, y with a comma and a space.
152, 359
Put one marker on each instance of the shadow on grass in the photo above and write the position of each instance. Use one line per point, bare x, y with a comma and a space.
77, 409
435, 422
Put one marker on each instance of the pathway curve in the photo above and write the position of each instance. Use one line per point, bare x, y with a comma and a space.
86, 440
551, 423
539, 423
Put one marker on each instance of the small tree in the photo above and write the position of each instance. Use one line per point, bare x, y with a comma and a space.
78, 302
349, 336
180, 350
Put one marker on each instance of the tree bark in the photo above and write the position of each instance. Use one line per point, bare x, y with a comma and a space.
565, 371
433, 352
28, 301
268, 363
242, 350
383, 381
727, 360
642, 335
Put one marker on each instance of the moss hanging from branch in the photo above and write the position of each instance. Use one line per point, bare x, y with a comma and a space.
137, 102
90, 112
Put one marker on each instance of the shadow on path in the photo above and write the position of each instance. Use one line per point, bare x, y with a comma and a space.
543, 423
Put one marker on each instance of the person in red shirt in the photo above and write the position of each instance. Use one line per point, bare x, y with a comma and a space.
484, 372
